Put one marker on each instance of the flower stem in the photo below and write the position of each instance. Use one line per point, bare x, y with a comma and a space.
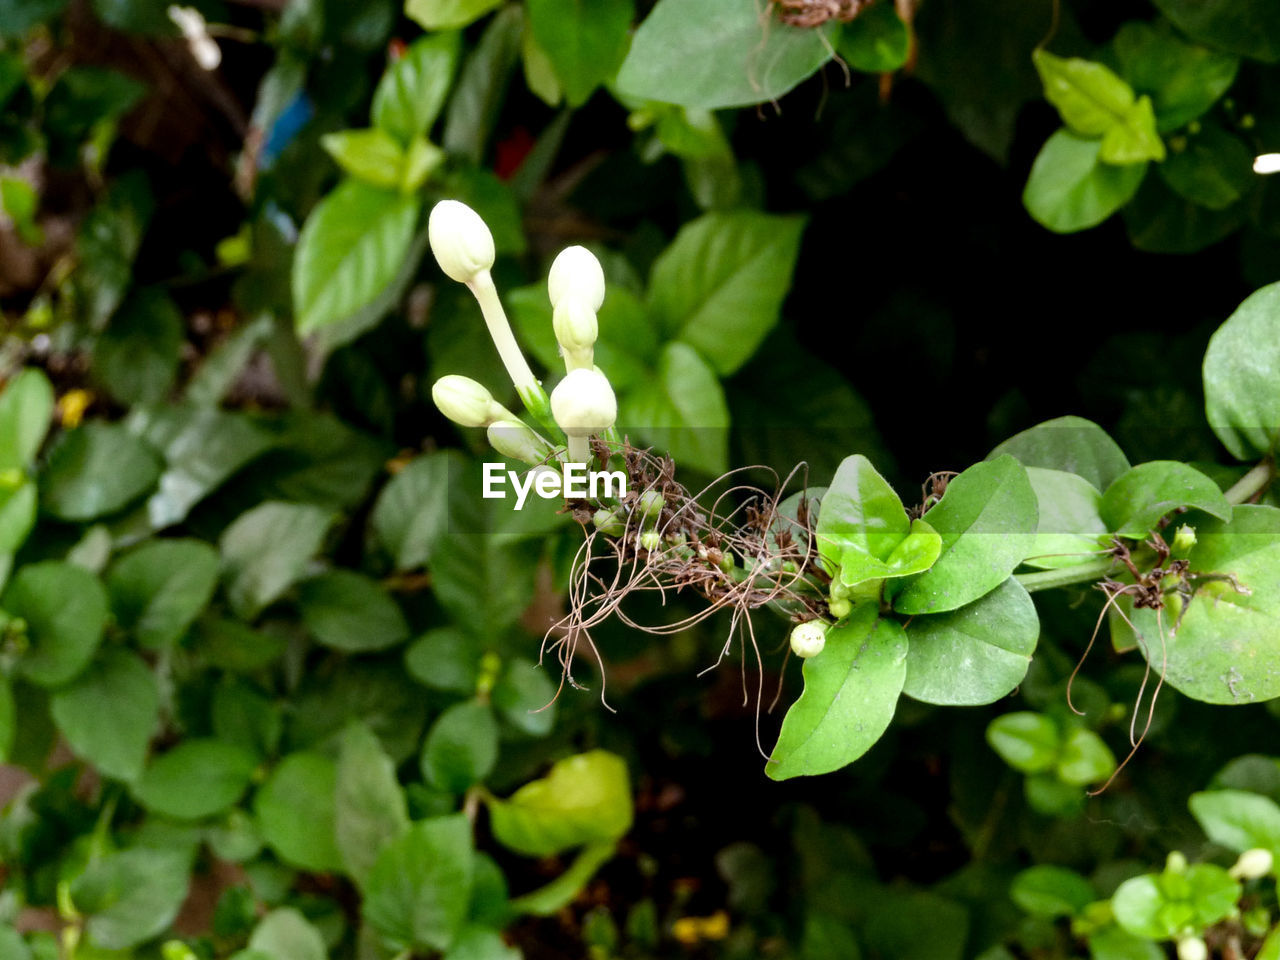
1252, 483
1080, 573
579, 450
530, 390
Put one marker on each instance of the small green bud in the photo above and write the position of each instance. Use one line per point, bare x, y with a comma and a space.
726, 561
839, 591
583, 403
517, 440
650, 540
606, 521
1175, 863
1183, 540
466, 402
839, 608
1253, 864
576, 274
650, 504
789, 566
460, 240
808, 638
1194, 127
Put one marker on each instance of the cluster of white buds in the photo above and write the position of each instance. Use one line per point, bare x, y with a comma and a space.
583, 403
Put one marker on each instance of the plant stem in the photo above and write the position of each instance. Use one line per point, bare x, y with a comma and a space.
579, 450
495, 318
1080, 573
1252, 483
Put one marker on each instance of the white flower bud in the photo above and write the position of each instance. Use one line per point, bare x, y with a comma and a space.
576, 275
583, 403
460, 240
466, 402
516, 440
195, 31
1192, 948
576, 330
1253, 864
808, 638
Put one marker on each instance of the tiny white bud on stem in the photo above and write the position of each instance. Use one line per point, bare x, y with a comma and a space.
808, 638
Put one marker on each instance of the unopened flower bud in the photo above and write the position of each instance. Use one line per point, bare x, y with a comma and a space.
583, 403
808, 638
516, 440
1192, 948
839, 608
650, 540
1253, 864
576, 331
466, 402
650, 504
460, 240
608, 522
1183, 540
577, 275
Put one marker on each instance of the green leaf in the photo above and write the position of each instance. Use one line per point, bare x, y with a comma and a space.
1160, 221
1226, 648
137, 357
349, 611
267, 549
1270, 949
1136, 500
1070, 189
196, 779
444, 659
1250, 28
285, 934
1238, 820
875, 41
861, 514
411, 514
413, 89
584, 799
95, 470
446, 14
373, 693
159, 589
525, 697
681, 409
973, 655
1113, 943
1242, 377
1214, 171
719, 53
553, 897
472, 566
26, 407
65, 609
296, 812
1094, 102
420, 885
481, 943
1028, 742
719, 287
984, 518
242, 715
1049, 891
1161, 906
12, 946
850, 691
131, 896
369, 806
1183, 80
17, 515
107, 243
1070, 444
461, 748
1070, 529
349, 251
1084, 758
202, 446
109, 713
477, 98
585, 42
372, 156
